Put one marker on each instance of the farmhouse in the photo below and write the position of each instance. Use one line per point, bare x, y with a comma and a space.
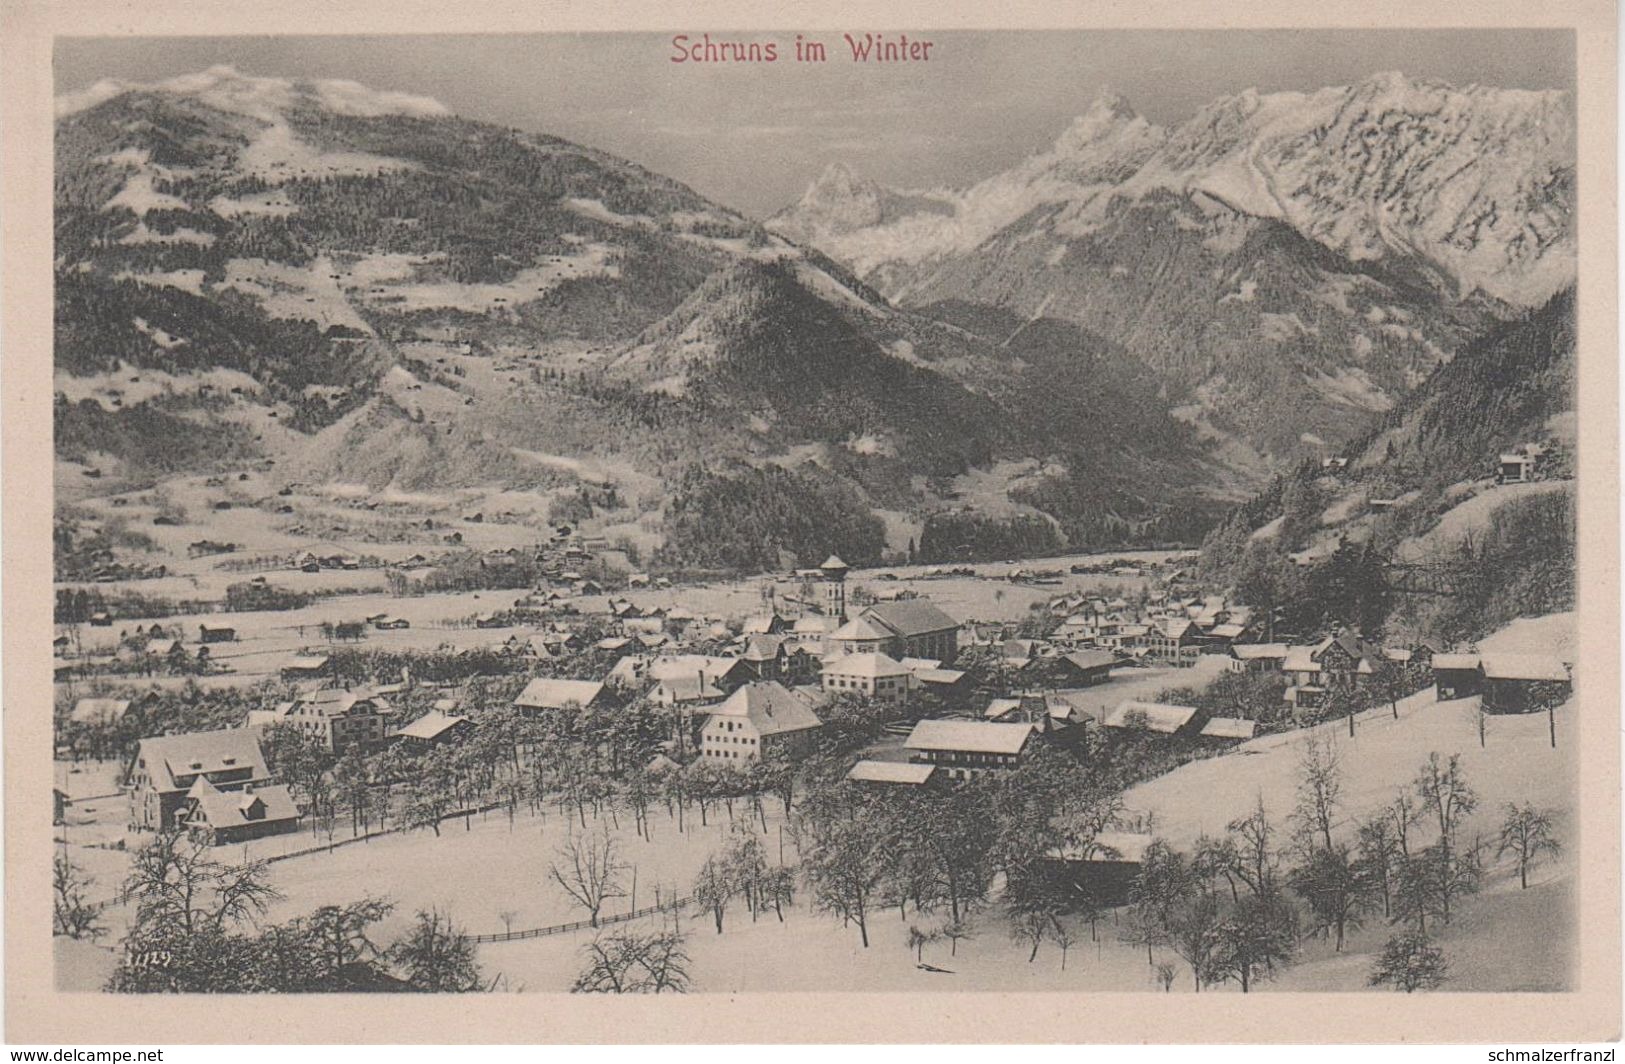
758, 721
965, 748
216, 633
545, 693
164, 769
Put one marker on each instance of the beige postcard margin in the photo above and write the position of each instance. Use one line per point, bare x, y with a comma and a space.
36, 1013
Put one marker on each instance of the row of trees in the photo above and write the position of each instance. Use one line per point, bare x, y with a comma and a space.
198, 927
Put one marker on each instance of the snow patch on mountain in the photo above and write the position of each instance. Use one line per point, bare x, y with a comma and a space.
223, 87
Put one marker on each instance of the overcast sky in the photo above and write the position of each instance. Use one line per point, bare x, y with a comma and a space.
752, 136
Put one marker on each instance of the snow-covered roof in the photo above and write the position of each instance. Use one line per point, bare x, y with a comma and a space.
969, 736
1259, 651
1159, 716
430, 726
1499, 666
1229, 728
890, 772
867, 666
549, 693
1453, 662
1000, 707
770, 707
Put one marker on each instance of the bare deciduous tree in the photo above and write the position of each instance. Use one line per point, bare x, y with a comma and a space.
588, 869
1526, 833
629, 963
71, 914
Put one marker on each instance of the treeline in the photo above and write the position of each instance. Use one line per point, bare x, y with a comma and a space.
963, 535
748, 519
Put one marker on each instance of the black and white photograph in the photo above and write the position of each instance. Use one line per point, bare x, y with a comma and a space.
883, 510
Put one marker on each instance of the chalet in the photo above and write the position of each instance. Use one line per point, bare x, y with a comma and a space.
891, 773
164, 769
1456, 676
918, 629
1159, 717
961, 749
544, 694
1339, 662
1521, 683
1347, 661
216, 633
874, 675
1175, 641
1083, 668
758, 721
338, 719
435, 729
767, 656
223, 817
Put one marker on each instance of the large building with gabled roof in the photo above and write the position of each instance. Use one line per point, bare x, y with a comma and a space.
916, 629
758, 721
960, 749
165, 768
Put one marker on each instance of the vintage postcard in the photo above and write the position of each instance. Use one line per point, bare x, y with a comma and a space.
897, 526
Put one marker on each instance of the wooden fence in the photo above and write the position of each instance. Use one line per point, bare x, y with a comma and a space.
543, 932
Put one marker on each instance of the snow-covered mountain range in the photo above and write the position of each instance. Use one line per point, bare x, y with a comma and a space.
1472, 186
